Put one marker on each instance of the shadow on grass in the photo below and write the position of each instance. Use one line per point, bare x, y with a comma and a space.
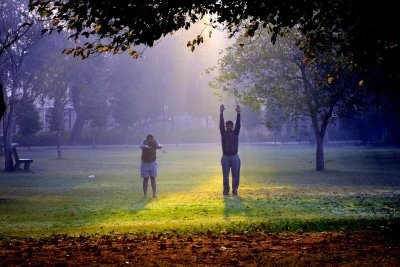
235, 206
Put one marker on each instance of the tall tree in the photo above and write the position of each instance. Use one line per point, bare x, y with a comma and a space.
321, 87
274, 119
97, 110
55, 82
86, 80
124, 107
15, 23
19, 85
56, 117
27, 118
17, 36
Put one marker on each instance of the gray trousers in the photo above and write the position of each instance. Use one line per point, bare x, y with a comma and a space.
230, 163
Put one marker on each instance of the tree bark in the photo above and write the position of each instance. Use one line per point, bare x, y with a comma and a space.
58, 150
93, 136
319, 140
319, 129
319, 158
2, 103
75, 137
126, 132
76, 132
8, 160
58, 144
28, 139
8, 126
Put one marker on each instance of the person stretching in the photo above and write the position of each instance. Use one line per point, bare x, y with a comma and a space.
149, 164
230, 160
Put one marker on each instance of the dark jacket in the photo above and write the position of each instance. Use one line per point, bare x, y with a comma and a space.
224, 133
149, 151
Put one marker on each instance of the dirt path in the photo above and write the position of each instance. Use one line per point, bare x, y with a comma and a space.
362, 248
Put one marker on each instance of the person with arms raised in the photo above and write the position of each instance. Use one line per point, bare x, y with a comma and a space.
230, 160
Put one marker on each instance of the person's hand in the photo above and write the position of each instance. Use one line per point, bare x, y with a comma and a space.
237, 108
221, 108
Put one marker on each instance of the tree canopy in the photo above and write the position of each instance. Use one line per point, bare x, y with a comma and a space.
368, 32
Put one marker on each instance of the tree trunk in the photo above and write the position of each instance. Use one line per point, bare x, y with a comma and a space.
58, 151
29, 142
126, 136
2, 103
8, 160
75, 137
319, 158
319, 133
93, 135
8, 125
58, 145
76, 132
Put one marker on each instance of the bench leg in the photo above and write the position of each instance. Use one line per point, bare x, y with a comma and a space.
26, 166
17, 165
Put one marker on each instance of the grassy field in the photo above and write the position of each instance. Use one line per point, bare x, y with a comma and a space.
280, 190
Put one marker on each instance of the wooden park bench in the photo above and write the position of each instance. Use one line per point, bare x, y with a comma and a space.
19, 161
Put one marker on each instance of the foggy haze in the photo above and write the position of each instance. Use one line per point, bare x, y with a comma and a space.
171, 71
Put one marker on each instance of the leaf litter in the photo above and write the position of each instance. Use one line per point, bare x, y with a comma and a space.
336, 248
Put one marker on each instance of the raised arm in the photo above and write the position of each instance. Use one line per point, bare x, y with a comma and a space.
221, 119
237, 125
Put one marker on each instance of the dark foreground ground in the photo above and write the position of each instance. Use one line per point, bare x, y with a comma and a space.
361, 248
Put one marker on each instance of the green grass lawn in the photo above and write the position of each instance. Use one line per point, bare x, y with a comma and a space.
279, 190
